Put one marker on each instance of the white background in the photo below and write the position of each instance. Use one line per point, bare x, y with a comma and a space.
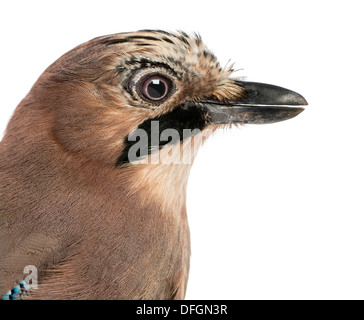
275, 211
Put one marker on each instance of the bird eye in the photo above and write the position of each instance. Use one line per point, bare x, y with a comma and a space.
154, 87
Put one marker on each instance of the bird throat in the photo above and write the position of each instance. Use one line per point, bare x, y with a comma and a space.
158, 155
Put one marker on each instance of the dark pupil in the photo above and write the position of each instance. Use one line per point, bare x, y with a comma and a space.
156, 88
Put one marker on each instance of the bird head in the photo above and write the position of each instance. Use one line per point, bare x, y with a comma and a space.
103, 91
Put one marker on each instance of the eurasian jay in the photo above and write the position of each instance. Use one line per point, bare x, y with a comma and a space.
85, 196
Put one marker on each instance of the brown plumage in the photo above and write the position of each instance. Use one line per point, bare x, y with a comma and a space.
97, 226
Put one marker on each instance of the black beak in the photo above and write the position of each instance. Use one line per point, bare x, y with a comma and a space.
263, 103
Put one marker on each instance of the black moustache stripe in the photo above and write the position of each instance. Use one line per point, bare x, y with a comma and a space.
179, 119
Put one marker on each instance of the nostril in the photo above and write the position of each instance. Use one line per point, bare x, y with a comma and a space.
250, 93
